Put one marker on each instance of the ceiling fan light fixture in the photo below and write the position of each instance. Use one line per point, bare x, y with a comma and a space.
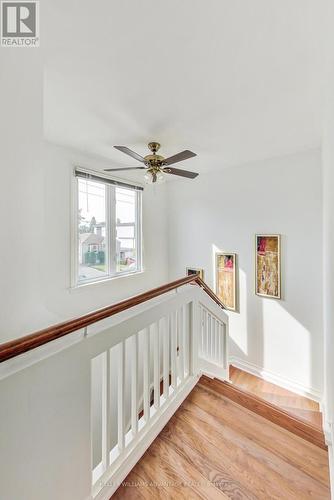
153, 177
160, 178
148, 177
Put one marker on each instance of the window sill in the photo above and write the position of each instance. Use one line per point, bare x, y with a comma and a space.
105, 281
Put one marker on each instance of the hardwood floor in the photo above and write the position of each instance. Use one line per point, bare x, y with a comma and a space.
275, 414
214, 448
298, 406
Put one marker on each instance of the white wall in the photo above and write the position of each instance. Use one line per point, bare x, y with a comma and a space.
223, 211
35, 214
328, 213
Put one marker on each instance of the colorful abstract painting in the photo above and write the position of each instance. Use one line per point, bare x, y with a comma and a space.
268, 265
225, 282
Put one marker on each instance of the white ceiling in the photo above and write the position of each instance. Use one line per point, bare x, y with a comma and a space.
233, 80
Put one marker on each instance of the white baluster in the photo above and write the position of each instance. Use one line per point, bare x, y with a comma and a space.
146, 378
204, 334
134, 384
106, 421
120, 398
210, 336
202, 330
180, 324
216, 341
219, 340
186, 339
156, 355
212, 331
213, 338
194, 334
165, 333
224, 346
173, 353
207, 347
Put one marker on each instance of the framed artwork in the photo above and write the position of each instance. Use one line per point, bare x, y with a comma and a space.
268, 265
195, 270
225, 279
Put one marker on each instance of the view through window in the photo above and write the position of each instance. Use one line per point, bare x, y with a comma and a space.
125, 229
108, 230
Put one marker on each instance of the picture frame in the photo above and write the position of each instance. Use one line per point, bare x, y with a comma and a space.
226, 271
268, 265
195, 270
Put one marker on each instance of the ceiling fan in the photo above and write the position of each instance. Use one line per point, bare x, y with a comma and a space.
155, 165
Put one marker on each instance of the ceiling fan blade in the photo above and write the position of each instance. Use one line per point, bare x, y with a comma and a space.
124, 168
184, 155
181, 173
131, 153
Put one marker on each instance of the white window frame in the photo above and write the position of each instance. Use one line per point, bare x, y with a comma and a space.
110, 230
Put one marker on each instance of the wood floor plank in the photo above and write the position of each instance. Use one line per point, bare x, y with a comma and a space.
270, 436
135, 485
174, 478
184, 472
213, 448
224, 477
271, 412
263, 467
235, 479
295, 404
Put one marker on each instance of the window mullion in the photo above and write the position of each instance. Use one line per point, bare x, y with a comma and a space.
138, 229
112, 230
75, 234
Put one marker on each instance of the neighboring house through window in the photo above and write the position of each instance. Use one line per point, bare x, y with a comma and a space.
107, 227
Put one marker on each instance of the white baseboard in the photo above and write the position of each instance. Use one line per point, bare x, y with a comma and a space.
212, 370
326, 426
283, 382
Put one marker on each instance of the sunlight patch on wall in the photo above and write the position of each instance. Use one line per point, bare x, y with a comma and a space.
286, 343
238, 320
215, 250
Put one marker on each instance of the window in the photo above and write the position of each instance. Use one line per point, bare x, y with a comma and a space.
108, 228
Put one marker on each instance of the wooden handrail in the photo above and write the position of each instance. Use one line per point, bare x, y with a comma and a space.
208, 290
19, 346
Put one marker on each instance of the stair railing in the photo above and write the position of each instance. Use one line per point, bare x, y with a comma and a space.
83, 400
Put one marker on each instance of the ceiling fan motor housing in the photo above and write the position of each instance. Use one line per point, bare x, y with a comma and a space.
154, 160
